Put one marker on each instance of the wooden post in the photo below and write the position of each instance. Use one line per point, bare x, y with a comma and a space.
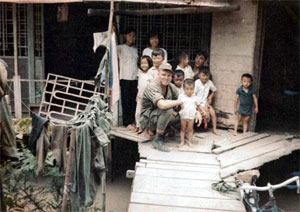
15, 39
16, 78
31, 61
103, 190
68, 172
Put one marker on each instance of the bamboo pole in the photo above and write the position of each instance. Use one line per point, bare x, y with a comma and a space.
68, 172
108, 46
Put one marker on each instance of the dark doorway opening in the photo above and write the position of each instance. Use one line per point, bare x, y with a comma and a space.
69, 45
279, 82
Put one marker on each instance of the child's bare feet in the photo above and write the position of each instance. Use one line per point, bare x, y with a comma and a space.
216, 132
149, 134
234, 133
181, 144
139, 130
131, 127
190, 144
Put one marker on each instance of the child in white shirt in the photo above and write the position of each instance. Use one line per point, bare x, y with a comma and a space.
183, 59
144, 78
157, 57
188, 113
203, 86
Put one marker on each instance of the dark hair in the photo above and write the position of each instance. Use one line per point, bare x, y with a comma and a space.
247, 76
204, 70
153, 34
157, 52
149, 60
129, 30
178, 73
181, 55
202, 53
188, 82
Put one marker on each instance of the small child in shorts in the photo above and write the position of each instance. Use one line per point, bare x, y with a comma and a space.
188, 113
245, 97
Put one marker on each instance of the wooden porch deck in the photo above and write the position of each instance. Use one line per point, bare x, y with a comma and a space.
181, 180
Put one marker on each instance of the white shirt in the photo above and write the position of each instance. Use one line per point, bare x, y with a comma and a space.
202, 90
188, 71
144, 80
189, 106
128, 57
148, 51
180, 90
153, 72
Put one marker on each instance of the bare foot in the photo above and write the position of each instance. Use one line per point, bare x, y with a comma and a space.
190, 144
234, 133
148, 134
181, 145
139, 131
131, 127
216, 132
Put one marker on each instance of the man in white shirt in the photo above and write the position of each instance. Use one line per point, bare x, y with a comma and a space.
128, 58
202, 88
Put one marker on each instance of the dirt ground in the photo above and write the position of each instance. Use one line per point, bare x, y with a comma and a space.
117, 195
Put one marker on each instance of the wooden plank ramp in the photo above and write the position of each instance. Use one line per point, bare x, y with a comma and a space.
179, 180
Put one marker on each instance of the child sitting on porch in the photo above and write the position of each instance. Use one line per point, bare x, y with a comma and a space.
158, 56
203, 86
188, 112
245, 97
144, 78
183, 64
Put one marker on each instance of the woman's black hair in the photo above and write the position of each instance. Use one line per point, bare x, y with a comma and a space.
202, 53
154, 34
149, 60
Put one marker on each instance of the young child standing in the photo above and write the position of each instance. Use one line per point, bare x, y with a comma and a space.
183, 64
144, 78
245, 97
157, 56
203, 86
188, 113
178, 78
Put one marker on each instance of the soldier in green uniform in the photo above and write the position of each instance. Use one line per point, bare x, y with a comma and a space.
158, 101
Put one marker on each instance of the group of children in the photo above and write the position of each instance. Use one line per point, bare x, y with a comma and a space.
195, 87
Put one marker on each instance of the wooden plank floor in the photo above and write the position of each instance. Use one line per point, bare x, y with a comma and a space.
179, 180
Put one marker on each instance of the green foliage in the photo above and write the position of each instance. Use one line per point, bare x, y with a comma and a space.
22, 192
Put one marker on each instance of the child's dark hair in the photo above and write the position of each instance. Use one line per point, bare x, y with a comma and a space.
204, 70
178, 73
181, 56
153, 34
157, 52
188, 82
202, 53
149, 60
129, 30
249, 76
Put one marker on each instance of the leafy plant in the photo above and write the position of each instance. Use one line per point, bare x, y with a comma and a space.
21, 192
